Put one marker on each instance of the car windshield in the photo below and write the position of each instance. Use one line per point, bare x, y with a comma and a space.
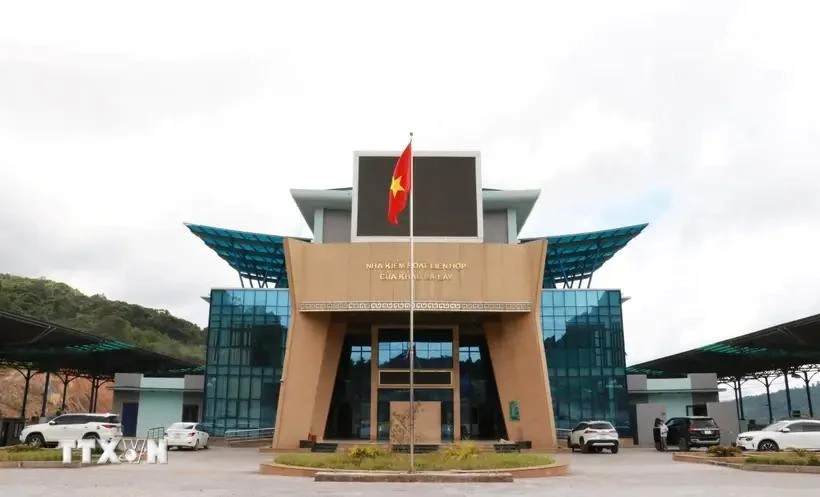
704, 423
776, 426
181, 426
601, 426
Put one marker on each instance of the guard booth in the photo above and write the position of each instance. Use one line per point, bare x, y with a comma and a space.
10, 429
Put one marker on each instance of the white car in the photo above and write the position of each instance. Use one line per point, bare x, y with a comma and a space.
593, 436
72, 427
190, 435
783, 435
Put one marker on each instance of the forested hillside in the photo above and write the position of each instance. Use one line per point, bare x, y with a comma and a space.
756, 407
152, 329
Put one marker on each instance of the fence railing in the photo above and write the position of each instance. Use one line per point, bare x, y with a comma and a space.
155, 433
248, 434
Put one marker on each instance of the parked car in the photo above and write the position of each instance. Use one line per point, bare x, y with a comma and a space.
190, 435
692, 431
72, 427
593, 436
788, 434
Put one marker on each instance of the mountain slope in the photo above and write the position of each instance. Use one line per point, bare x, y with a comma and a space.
756, 407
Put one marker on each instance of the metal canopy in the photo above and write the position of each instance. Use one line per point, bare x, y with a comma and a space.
255, 256
786, 346
33, 344
574, 258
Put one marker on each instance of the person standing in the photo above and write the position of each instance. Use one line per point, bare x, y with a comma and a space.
663, 431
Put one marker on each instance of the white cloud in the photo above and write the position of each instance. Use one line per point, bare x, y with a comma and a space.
117, 124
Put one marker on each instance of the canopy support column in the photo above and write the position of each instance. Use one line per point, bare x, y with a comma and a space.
27, 376
44, 403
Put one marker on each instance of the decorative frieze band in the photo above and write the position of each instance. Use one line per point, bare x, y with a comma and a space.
417, 306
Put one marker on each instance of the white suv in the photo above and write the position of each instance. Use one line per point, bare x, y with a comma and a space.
593, 436
72, 427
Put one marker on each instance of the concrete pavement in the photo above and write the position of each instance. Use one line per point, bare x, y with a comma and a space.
226, 472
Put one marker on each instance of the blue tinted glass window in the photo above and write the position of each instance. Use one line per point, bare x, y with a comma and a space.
583, 340
247, 334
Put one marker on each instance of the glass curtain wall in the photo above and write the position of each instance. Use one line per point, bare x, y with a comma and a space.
584, 344
481, 415
349, 415
247, 331
434, 348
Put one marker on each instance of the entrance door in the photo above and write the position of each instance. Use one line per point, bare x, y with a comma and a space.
190, 413
129, 418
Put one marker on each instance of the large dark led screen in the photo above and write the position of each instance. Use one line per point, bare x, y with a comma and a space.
444, 198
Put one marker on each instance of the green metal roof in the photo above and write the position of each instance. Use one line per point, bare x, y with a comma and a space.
255, 256
29, 343
574, 258
783, 346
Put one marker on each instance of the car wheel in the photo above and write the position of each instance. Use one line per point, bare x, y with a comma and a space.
683, 444
569, 444
36, 440
583, 446
89, 436
768, 446
614, 449
196, 445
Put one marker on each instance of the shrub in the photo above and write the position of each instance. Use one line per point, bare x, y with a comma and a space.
800, 452
461, 451
359, 453
724, 451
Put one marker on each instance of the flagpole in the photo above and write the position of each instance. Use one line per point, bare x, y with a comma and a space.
412, 353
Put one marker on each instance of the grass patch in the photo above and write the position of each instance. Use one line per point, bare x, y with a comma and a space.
464, 457
27, 453
788, 458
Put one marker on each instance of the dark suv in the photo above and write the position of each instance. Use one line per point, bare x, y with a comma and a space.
692, 431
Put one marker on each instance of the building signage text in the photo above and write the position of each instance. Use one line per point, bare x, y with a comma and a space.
422, 271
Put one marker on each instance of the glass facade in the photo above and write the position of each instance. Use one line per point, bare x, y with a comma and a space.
349, 414
584, 342
481, 414
434, 348
247, 330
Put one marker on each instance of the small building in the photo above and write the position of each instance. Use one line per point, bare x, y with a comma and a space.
145, 402
697, 394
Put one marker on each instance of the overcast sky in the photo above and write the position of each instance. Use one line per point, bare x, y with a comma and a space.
118, 124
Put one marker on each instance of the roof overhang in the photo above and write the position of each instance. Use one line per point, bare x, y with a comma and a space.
309, 201
786, 346
574, 258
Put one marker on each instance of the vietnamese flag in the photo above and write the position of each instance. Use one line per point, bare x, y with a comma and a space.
399, 191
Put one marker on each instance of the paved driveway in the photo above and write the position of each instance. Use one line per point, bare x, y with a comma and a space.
225, 472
